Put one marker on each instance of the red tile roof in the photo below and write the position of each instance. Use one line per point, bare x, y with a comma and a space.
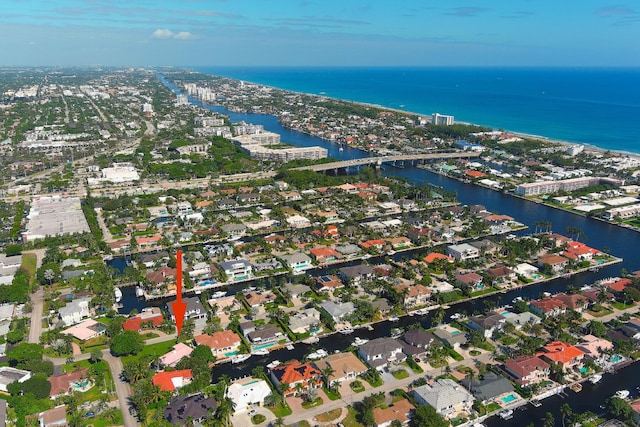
560, 352
218, 340
435, 255
296, 372
60, 383
135, 323
164, 379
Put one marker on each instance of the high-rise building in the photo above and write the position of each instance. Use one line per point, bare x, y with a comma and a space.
440, 119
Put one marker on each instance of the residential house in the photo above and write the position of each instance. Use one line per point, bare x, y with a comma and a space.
488, 325
617, 285
556, 262
520, 319
435, 256
488, 387
416, 342
463, 251
163, 274
265, 334
297, 261
450, 335
594, 347
148, 317
328, 283
501, 274
345, 366
338, 311
445, 395
419, 235
238, 269
298, 221
354, 275
304, 320
349, 250
377, 244
172, 380
527, 370
328, 216
234, 230
575, 302
294, 373
414, 295
86, 330
470, 280
398, 243
223, 344
191, 408
325, 255
548, 307
296, 290
257, 298
61, 384
180, 351
75, 311
247, 392
566, 355
379, 352
54, 417
195, 309
9, 375
400, 411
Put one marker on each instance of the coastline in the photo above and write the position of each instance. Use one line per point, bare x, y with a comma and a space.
552, 140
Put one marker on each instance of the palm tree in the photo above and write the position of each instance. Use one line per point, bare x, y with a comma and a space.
279, 422
566, 412
224, 410
326, 374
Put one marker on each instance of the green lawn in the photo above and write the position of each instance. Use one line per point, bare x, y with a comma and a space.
29, 262
281, 410
350, 420
620, 306
400, 374
152, 350
317, 402
332, 395
357, 386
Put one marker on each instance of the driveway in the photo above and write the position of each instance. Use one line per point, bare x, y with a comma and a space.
243, 419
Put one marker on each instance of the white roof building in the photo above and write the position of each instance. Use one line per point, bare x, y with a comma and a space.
248, 391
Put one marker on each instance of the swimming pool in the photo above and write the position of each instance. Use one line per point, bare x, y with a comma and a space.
504, 313
508, 399
536, 276
616, 358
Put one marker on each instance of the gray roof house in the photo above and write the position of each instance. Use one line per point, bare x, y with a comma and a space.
486, 324
234, 229
445, 396
338, 311
355, 274
191, 408
296, 289
450, 335
265, 334
416, 342
379, 352
297, 261
303, 320
488, 387
195, 309
520, 319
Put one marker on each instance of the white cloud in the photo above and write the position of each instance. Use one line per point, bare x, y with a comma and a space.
163, 33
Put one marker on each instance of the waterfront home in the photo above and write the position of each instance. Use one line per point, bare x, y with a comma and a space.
297, 261
488, 387
398, 243
258, 298
556, 262
414, 295
445, 395
296, 290
419, 235
338, 311
485, 246
463, 251
501, 275
61, 384
416, 342
470, 280
400, 411
223, 344
527, 370
377, 244
150, 259
435, 256
594, 347
191, 408
247, 392
379, 352
9, 375
354, 275
345, 366
548, 306
526, 270
327, 283
170, 381
237, 269
450, 335
349, 250
328, 216
195, 310
324, 255
265, 334
304, 320
566, 355
150, 317
75, 311
616, 284
219, 305
180, 351
86, 330
298, 221
488, 325
294, 373
520, 319
234, 230
163, 274
575, 302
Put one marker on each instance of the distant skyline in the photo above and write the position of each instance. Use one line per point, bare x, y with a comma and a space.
326, 32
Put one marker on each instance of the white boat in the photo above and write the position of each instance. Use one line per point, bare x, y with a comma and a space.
341, 148
396, 332
536, 403
391, 252
139, 292
595, 379
360, 341
289, 346
394, 319
118, 293
218, 294
318, 354
346, 331
261, 352
622, 394
240, 358
366, 256
506, 414
273, 364
311, 340
455, 316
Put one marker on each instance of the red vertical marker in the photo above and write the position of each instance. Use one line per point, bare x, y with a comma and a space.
179, 307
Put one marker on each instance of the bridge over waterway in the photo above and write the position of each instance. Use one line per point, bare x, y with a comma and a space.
377, 161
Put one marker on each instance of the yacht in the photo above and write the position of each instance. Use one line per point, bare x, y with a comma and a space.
506, 414
289, 347
536, 403
622, 394
218, 294
139, 292
346, 331
455, 316
394, 319
360, 341
595, 379
240, 358
261, 352
273, 364
318, 354
118, 293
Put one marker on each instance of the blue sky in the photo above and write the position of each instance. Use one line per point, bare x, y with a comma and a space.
326, 32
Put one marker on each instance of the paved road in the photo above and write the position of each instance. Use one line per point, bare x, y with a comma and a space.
37, 304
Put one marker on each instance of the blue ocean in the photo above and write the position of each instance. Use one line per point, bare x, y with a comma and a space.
598, 107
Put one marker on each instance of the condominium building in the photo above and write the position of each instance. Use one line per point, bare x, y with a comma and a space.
441, 119
264, 146
545, 187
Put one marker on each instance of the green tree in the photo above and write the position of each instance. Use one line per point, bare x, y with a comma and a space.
126, 343
426, 416
620, 409
24, 353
